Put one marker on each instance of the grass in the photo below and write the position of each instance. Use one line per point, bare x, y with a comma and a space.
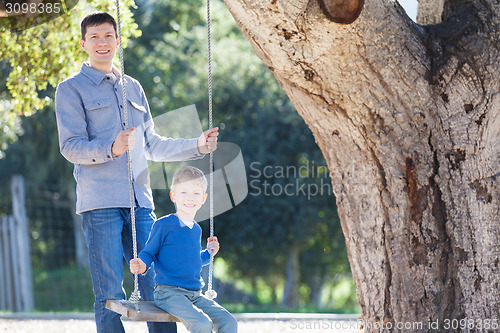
66, 289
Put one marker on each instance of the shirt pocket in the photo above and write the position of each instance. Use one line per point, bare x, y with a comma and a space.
138, 112
95, 104
100, 117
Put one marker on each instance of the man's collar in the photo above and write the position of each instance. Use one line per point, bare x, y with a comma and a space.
96, 76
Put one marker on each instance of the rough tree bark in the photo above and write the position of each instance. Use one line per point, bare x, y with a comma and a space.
406, 117
429, 12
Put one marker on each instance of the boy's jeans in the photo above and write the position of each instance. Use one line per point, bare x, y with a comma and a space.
197, 313
109, 238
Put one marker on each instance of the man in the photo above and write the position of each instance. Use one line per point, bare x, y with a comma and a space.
92, 135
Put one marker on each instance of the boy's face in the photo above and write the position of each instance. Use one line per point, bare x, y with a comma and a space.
188, 197
100, 43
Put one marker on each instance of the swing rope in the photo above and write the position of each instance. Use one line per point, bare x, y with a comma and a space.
136, 296
210, 293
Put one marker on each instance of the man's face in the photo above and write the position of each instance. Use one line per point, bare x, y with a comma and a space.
100, 43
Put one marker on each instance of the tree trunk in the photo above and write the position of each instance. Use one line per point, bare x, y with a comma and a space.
291, 292
406, 117
273, 283
81, 250
316, 283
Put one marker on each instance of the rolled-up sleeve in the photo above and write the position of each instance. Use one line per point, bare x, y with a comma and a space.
74, 141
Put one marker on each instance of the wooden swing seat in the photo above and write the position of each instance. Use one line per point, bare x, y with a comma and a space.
148, 311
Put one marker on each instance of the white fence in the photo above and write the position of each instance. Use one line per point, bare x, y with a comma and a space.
16, 285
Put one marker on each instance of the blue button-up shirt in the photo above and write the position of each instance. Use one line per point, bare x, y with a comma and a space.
90, 114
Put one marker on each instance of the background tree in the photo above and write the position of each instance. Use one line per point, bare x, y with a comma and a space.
405, 116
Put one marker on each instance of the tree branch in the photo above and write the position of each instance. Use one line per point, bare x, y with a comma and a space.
3, 10
430, 11
468, 22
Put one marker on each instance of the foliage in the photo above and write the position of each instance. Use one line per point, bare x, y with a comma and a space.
37, 58
10, 125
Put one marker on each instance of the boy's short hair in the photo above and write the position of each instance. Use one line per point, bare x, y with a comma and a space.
95, 19
187, 173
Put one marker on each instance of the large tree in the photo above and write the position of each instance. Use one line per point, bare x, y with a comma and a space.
406, 117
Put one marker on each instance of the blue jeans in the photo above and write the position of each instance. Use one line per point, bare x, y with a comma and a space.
197, 313
109, 238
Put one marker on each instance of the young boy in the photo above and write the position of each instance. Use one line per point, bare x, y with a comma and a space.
174, 246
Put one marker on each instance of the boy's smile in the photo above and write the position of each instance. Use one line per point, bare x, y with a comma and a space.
100, 43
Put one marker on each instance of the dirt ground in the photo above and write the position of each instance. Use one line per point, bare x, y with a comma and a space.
254, 325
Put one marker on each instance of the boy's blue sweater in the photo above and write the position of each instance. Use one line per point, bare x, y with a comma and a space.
176, 251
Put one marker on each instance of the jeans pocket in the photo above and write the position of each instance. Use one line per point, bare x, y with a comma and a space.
162, 293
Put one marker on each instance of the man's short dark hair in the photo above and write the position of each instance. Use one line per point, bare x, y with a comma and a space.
95, 19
